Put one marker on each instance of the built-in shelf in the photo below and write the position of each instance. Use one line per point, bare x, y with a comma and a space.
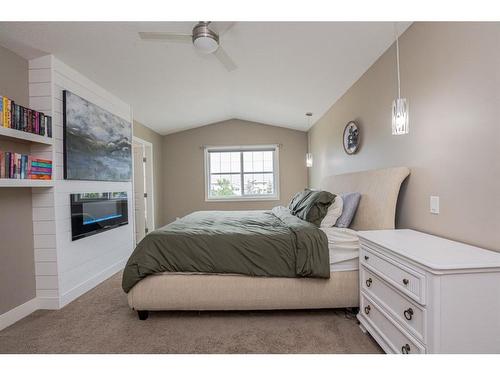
13, 182
24, 137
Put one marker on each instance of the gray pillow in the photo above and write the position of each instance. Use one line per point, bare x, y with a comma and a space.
312, 205
351, 202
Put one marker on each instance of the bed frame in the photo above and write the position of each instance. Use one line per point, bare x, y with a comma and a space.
191, 291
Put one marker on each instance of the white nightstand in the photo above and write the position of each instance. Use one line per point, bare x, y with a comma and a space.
424, 294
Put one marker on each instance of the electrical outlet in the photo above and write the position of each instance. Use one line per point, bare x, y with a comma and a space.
434, 205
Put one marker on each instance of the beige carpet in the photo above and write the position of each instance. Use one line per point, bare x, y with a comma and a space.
101, 322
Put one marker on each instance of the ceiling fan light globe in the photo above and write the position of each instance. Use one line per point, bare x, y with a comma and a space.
206, 44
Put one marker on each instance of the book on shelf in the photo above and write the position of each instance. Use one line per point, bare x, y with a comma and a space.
21, 166
15, 116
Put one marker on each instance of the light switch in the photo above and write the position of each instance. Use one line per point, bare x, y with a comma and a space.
434, 205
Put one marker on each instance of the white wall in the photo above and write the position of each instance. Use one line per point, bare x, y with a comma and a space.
65, 269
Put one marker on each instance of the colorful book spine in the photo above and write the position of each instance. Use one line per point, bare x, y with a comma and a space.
41, 164
41, 169
17, 117
18, 166
9, 113
37, 122
12, 169
13, 119
28, 171
49, 126
5, 107
7, 165
2, 164
12, 115
42, 124
33, 121
22, 166
25, 119
25, 167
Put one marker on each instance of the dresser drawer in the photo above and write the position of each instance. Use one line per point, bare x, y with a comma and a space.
409, 314
406, 280
391, 333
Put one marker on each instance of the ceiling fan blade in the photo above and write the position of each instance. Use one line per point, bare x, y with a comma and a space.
224, 59
229, 26
165, 37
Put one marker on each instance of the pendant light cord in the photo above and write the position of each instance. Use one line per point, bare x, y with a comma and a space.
397, 57
308, 136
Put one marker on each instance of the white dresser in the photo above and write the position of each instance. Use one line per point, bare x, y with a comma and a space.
425, 294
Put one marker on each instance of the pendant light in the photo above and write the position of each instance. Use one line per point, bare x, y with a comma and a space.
309, 156
400, 116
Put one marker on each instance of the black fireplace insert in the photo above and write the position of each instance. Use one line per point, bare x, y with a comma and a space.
92, 213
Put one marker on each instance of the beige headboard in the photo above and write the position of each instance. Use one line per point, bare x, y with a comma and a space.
379, 194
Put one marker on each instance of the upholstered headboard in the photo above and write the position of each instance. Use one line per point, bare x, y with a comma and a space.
379, 194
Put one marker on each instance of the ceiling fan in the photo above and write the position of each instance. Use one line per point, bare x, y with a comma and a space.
203, 38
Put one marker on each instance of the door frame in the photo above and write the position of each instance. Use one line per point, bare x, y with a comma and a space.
151, 202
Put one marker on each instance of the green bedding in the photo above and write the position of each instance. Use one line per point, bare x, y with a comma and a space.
254, 243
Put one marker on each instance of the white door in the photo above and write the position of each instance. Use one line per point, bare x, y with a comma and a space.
139, 192
143, 188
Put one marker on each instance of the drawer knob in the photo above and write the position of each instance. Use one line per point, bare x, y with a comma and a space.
405, 349
408, 313
368, 282
406, 281
367, 257
367, 309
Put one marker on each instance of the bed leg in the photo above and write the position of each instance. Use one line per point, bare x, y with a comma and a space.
352, 310
143, 314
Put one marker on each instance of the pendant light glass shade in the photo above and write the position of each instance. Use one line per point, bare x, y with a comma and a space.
309, 160
400, 116
309, 155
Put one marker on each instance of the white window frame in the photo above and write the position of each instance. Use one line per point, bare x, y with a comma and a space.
276, 174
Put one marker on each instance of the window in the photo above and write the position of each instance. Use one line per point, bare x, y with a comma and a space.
241, 173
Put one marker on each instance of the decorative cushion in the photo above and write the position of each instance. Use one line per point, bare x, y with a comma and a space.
297, 198
350, 205
312, 206
333, 213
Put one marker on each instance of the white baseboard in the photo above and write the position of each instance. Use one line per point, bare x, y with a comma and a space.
48, 303
54, 303
95, 280
17, 313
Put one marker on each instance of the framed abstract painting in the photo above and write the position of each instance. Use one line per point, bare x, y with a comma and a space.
97, 143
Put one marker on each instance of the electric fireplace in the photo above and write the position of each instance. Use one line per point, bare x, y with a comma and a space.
92, 213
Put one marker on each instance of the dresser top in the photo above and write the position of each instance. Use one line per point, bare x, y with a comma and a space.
431, 251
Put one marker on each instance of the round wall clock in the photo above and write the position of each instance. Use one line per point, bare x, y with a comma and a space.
351, 138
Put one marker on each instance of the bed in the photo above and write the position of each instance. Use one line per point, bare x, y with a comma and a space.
202, 291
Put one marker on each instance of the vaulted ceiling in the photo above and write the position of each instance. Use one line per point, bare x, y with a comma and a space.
284, 68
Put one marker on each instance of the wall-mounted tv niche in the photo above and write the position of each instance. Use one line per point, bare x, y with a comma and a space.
97, 143
92, 213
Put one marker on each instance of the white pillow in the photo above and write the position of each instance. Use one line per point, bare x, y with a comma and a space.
334, 212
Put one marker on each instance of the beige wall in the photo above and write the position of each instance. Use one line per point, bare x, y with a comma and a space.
450, 73
183, 164
17, 265
156, 139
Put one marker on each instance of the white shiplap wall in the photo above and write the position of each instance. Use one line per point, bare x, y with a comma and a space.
40, 75
65, 269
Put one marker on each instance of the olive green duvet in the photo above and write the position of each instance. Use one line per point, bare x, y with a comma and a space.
254, 243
